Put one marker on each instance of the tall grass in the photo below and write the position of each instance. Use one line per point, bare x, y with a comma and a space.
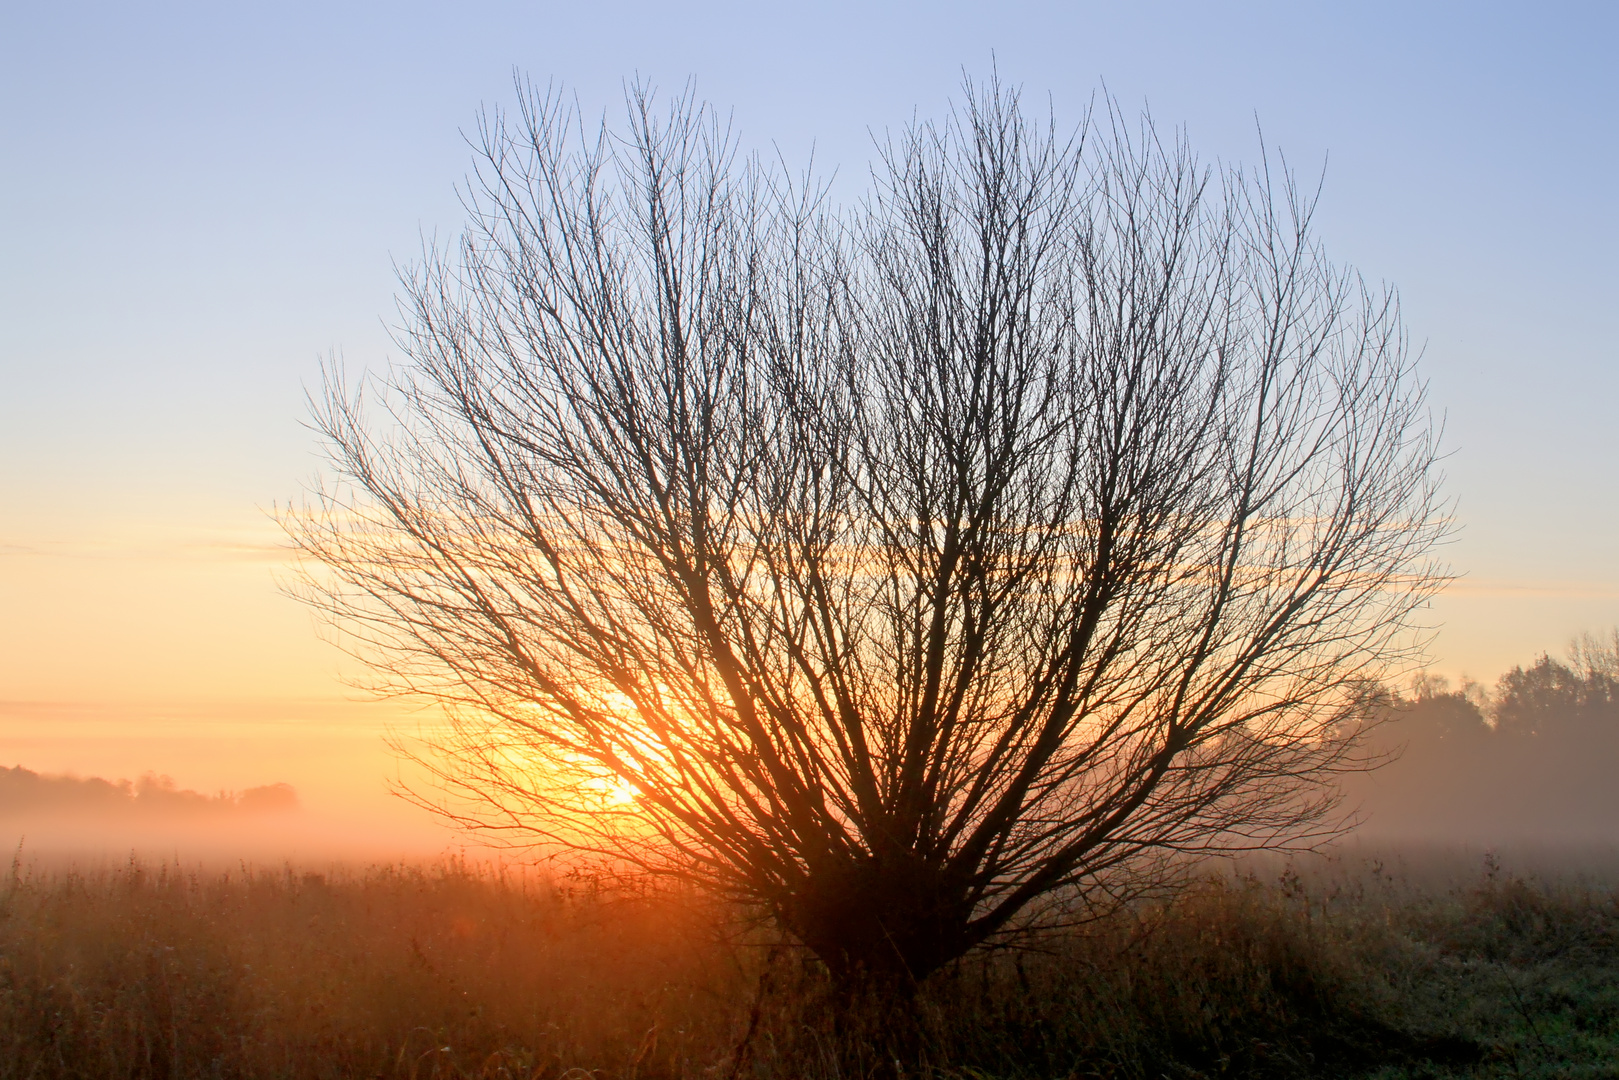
402, 971
457, 970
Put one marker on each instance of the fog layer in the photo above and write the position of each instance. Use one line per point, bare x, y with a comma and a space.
93, 819
1531, 760
28, 794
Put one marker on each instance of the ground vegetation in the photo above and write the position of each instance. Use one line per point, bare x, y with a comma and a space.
1364, 967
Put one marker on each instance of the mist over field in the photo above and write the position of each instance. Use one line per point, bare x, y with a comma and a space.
66, 819
1528, 761
1522, 766
152, 797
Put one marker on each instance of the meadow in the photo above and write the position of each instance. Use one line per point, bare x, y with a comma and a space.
1357, 966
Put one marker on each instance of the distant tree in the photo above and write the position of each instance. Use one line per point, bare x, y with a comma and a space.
1583, 693
1597, 661
1436, 713
1528, 699
917, 571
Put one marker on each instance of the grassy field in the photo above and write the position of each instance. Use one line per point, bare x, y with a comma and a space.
460, 971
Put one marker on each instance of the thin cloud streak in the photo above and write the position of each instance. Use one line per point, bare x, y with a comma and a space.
209, 549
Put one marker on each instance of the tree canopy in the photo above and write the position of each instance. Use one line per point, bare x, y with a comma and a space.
915, 569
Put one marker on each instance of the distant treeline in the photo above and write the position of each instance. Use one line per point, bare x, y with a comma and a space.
1536, 757
23, 791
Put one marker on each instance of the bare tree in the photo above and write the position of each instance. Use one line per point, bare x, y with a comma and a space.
906, 569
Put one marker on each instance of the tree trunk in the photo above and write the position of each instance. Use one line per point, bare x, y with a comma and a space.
881, 924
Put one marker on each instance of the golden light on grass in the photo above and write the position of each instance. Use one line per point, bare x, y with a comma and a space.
461, 970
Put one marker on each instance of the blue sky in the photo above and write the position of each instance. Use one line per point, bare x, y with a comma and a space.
200, 201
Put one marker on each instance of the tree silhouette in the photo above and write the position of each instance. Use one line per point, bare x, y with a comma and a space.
919, 571
1548, 695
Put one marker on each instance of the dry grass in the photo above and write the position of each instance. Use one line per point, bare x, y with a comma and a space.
394, 971
459, 971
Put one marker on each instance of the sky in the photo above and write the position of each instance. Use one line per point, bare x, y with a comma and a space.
200, 202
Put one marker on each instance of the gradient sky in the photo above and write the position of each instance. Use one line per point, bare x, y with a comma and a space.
198, 202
